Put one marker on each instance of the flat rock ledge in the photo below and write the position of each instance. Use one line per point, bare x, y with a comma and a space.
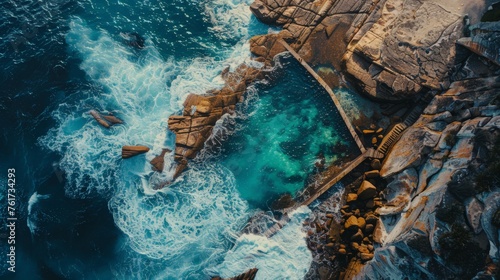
130, 151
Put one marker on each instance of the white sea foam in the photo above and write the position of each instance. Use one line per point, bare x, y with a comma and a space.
31, 221
192, 223
194, 220
144, 93
283, 256
229, 18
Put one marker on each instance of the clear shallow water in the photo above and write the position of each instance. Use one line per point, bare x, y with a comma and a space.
85, 213
281, 135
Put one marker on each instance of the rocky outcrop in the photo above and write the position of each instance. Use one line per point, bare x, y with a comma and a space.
105, 120
407, 49
448, 144
130, 151
396, 50
388, 51
201, 112
159, 161
484, 40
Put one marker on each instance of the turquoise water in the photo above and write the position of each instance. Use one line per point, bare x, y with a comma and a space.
282, 135
84, 212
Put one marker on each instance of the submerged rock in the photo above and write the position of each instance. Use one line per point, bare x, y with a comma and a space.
112, 119
133, 39
105, 120
97, 116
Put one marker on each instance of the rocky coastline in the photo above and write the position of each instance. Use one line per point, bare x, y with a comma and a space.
435, 195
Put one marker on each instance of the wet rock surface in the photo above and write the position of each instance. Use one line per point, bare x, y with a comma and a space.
130, 151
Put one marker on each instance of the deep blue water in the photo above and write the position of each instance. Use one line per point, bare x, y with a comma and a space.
83, 213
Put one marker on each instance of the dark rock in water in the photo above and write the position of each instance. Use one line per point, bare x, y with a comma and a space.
99, 118
105, 120
133, 39
130, 151
249, 275
158, 162
320, 161
112, 119
283, 202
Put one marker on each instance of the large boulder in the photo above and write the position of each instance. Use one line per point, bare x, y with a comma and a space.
414, 144
398, 192
351, 223
366, 191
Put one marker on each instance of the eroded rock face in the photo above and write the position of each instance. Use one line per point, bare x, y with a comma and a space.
443, 154
484, 40
392, 49
398, 192
409, 48
415, 142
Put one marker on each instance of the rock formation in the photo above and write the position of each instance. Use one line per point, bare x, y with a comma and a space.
130, 151
394, 50
105, 120
201, 112
398, 51
158, 162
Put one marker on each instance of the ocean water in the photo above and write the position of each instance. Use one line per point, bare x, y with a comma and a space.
279, 137
83, 213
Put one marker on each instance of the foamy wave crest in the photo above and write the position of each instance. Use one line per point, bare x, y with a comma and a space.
195, 219
283, 256
31, 221
144, 91
229, 18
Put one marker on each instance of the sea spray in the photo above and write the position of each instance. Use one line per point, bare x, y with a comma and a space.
32, 220
180, 231
193, 220
283, 256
